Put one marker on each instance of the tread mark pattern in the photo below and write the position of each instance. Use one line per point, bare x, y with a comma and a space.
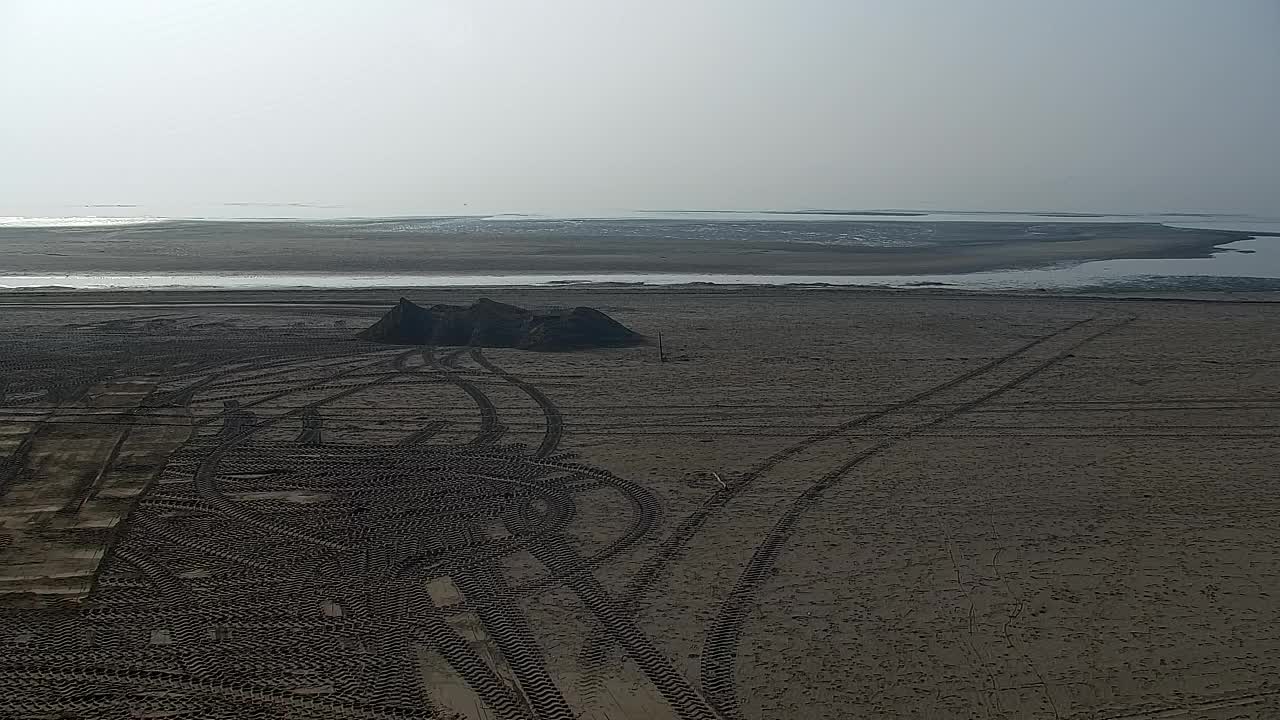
720, 646
270, 579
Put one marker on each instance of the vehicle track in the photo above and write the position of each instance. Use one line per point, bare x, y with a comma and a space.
477, 674
311, 385
491, 429
13, 463
506, 630
558, 555
425, 433
174, 593
720, 645
206, 471
597, 648
673, 545
157, 527
245, 547
239, 693
554, 420
645, 508
492, 601
182, 396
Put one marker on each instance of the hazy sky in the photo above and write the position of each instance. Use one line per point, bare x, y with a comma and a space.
424, 106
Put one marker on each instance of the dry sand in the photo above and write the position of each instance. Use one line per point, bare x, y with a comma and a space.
829, 503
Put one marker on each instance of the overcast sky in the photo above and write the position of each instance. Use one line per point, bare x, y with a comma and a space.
383, 107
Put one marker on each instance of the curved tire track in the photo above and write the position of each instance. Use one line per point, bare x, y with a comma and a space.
425, 433
206, 472
558, 555
491, 601
554, 420
595, 650
491, 430
674, 544
720, 646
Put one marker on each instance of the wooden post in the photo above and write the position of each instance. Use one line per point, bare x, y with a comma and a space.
662, 356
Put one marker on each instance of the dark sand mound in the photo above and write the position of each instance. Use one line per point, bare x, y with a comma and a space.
493, 324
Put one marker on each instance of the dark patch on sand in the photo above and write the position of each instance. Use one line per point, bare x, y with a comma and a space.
493, 324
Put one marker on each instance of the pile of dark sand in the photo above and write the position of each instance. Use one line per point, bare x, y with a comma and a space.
493, 324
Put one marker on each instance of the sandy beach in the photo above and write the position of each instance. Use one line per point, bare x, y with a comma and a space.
827, 503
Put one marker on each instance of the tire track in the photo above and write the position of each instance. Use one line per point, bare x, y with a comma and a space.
491, 430
558, 555
206, 472
646, 511
175, 594
596, 648
304, 562
184, 395
491, 601
720, 646
554, 420
310, 385
11, 465
159, 528
474, 671
257, 695
425, 433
